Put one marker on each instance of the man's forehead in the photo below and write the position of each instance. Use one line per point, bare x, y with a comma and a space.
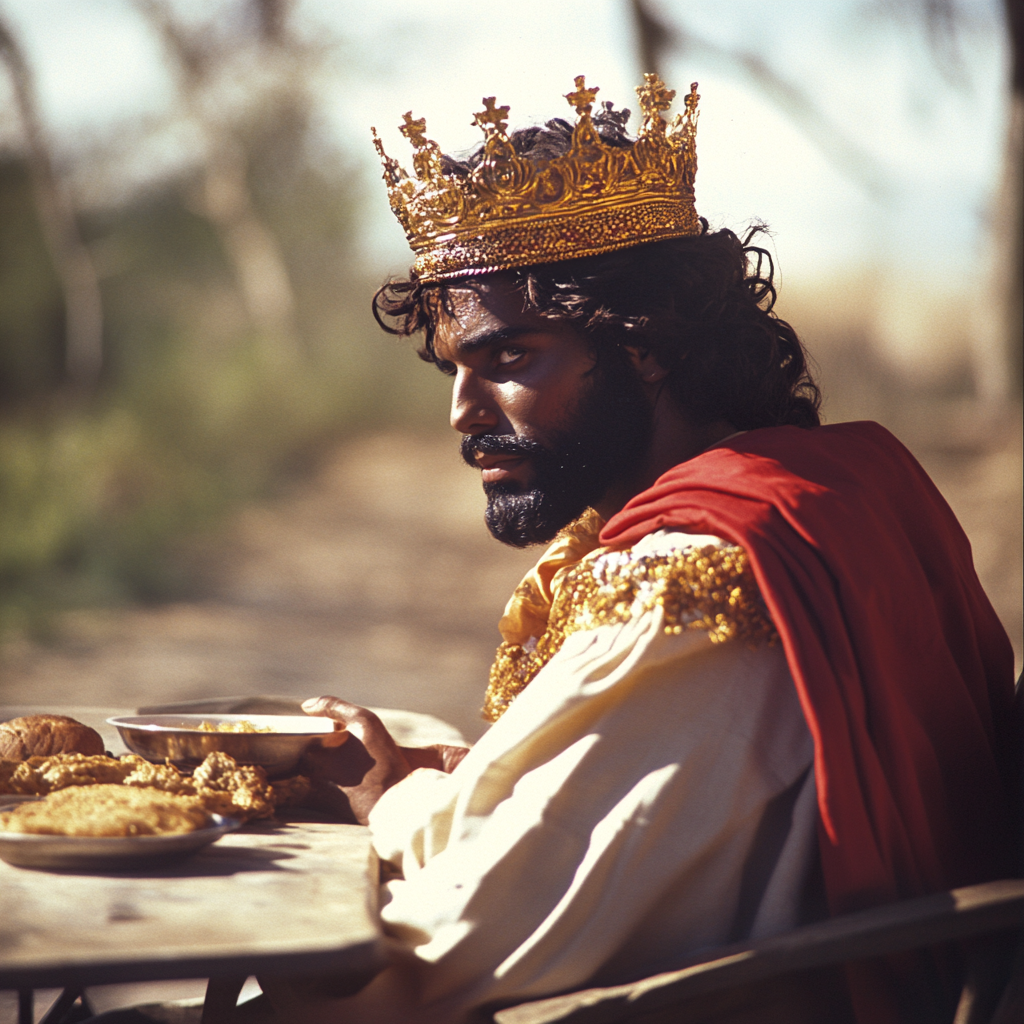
488, 314
477, 312
490, 299
470, 303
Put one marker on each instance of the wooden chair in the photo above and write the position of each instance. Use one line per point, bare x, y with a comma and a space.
785, 977
792, 977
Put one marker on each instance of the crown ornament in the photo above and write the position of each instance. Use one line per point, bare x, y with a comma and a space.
511, 211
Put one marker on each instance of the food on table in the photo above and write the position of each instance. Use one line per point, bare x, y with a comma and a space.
219, 784
146, 774
43, 735
291, 792
107, 810
240, 791
242, 726
7, 770
39, 775
64, 770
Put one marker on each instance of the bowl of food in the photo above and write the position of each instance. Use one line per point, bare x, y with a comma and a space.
276, 742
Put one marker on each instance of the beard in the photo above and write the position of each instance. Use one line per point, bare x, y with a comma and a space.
602, 444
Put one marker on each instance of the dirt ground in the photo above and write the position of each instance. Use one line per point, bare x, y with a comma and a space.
377, 581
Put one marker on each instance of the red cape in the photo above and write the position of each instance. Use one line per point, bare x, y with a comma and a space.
903, 670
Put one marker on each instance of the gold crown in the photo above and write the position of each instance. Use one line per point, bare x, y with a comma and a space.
512, 212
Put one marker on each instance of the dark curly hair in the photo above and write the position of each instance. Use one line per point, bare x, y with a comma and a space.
702, 306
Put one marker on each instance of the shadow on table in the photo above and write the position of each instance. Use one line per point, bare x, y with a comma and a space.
210, 863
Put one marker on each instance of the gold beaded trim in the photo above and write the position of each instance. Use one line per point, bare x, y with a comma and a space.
486, 248
710, 588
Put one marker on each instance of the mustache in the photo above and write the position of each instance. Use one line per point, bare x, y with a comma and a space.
499, 444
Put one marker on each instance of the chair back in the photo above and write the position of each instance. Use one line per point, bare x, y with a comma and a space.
1018, 715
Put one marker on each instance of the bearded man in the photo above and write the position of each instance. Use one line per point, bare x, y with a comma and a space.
754, 679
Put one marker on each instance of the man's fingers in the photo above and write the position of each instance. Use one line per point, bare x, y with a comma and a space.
361, 722
330, 707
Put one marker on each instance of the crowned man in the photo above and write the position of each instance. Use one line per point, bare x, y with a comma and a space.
753, 681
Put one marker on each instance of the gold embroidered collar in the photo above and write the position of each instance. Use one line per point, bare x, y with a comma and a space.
577, 585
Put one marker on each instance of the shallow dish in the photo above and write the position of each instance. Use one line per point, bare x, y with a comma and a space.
106, 853
177, 738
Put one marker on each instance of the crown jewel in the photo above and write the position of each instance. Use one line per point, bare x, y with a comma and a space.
510, 211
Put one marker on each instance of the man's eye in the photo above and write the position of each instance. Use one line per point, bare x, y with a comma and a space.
509, 355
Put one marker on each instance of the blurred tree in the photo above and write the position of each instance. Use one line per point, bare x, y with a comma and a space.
1003, 378
1012, 204
198, 56
998, 355
215, 272
998, 339
83, 310
31, 307
657, 38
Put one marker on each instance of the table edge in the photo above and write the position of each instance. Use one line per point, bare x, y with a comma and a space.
365, 957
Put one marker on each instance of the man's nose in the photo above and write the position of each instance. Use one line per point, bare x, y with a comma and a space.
473, 408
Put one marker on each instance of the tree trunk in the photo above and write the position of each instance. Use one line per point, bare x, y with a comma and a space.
257, 264
999, 334
72, 263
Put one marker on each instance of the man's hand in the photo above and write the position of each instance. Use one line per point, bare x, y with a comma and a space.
439, 755
349, 779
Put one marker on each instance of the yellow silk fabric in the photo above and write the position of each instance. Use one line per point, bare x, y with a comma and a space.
526, 614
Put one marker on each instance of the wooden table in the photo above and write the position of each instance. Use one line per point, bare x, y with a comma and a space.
293, 897
282, 898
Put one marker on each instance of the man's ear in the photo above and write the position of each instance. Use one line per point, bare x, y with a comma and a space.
647, 367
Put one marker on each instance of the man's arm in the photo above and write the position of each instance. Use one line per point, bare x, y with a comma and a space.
348, 780
614, 816
440, 756
649, 793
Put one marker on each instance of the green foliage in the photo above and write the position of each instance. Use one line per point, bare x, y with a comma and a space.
198, 410
91, 496
30, 311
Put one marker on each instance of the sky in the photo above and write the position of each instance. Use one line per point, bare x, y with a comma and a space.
901, 176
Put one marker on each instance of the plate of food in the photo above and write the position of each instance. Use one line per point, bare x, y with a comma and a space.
275, 742
106, 828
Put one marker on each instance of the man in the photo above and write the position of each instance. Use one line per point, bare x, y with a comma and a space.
753, 681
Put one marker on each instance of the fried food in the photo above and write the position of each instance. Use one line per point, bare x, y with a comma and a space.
7, 770
219, 784
19, 778
243, 726
291, 792
107, 810
146, 774
38, 776
64, 770
242, 789
43, 735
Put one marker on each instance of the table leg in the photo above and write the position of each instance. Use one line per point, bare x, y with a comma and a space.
61, 1011
26, 1006
221, 997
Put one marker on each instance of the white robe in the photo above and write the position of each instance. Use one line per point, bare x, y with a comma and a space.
647, 796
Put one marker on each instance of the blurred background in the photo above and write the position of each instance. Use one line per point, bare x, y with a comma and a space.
217, 477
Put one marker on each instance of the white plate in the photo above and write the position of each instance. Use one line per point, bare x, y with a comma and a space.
106, 853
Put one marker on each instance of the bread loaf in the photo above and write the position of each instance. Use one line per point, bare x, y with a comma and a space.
45, 735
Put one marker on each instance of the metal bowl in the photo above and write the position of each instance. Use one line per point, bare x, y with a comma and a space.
178, 739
